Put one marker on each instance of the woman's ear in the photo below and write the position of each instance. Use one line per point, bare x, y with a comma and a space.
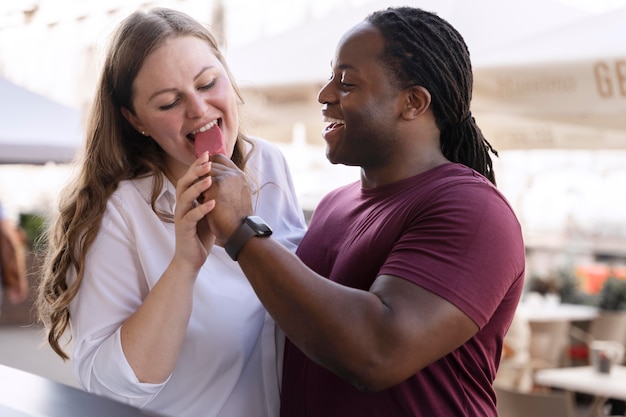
416, 101
132, 119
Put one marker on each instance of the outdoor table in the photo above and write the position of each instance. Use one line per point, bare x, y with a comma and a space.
23, 394
557, 312
585, 379
551, 325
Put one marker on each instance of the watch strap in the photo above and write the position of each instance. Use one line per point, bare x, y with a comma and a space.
241, 236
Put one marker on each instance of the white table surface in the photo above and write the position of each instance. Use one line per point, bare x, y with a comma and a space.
556, 312
585, 379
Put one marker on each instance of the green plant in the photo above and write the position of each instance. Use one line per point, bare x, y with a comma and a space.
569, 288
612, 295
542, 285
563, 282
35, 226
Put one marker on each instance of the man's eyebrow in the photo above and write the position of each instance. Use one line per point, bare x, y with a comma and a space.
167, 90
341, 66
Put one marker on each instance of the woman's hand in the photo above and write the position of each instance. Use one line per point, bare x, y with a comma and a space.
152, 337
230, 191
193, 237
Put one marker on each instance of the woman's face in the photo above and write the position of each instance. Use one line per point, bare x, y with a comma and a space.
180, 88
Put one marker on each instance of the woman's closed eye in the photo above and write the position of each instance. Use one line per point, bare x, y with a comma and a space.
174, 103
170, 105
208, 86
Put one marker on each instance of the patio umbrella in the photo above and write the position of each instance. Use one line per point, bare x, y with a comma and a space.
564, 88
35, 129
281, 74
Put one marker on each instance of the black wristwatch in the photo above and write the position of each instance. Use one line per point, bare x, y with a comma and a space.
252, 226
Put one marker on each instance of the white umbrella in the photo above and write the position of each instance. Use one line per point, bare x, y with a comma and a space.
281, 74
302, 55
565, 88
35, 129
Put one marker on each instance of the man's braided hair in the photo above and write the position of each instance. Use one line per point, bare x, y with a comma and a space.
423, 49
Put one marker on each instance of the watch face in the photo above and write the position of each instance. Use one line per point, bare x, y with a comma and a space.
259, 225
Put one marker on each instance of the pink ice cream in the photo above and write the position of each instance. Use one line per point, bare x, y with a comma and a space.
211, 140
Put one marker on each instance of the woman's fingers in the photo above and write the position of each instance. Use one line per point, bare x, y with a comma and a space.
191, 185
193, 238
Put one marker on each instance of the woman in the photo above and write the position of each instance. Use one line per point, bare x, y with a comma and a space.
160, 317
13, 259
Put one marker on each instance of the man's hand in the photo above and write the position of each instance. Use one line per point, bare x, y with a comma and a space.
230, 188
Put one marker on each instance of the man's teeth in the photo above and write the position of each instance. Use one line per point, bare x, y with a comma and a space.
205, 128
332, 120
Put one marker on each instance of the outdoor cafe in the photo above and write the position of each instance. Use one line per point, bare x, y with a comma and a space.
569, 334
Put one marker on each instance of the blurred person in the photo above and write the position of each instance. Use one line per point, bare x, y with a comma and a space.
406, 281
12, 261
160, 318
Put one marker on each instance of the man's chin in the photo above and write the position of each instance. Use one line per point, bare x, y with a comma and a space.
332, 159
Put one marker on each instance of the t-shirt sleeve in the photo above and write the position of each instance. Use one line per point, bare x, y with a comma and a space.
464, 247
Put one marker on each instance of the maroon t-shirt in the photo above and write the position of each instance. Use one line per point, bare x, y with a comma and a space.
447, 230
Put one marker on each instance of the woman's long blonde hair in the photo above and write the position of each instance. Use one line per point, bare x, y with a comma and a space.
114, 151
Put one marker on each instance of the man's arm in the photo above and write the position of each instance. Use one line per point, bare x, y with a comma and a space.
374, 339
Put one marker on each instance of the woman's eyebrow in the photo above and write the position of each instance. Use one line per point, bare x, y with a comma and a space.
170, 90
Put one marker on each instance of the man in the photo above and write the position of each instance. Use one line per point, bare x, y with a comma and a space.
406, 282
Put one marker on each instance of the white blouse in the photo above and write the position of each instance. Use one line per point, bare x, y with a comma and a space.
230, 363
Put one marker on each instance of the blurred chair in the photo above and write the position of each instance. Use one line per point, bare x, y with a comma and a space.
608, 325
548, 343
529, 346
512, 403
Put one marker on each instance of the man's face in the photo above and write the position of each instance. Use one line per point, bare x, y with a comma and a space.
360, 102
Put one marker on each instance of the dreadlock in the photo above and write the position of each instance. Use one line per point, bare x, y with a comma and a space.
423, 49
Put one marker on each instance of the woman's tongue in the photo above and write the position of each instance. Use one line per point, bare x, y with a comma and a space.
210, 140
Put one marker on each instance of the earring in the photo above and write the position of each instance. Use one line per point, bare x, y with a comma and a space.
143, 133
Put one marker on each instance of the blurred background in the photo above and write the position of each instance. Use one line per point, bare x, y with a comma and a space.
549, 94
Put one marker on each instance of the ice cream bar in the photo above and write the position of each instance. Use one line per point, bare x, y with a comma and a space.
210, 140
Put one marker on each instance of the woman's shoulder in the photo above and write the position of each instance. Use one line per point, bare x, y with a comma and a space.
264, 148
266, 155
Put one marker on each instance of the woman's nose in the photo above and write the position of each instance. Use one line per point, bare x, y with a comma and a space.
196, 106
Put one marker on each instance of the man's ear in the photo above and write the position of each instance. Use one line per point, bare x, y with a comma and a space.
416, 100
132, 119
